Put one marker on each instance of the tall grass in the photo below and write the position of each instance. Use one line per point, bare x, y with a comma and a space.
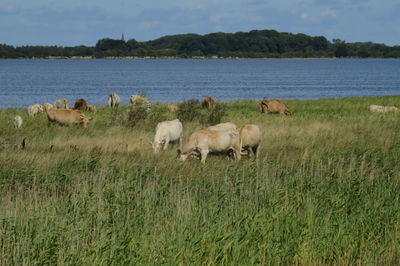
324, 190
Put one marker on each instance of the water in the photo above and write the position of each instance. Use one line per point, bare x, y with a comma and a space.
25, 82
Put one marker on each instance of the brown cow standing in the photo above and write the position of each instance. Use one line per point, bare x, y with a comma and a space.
274, 106
209, 102
81, 104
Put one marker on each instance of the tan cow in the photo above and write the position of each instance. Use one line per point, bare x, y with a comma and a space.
139, 100
67, 116
223, 126
209, 102
35, 109
172, 107
48, 106
61, 104
275, 106
250, 139
205, 141
92, 108
383, 109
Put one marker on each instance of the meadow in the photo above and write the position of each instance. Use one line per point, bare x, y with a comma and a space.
324, 190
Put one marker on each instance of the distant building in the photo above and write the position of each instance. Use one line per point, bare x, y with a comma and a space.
122, 37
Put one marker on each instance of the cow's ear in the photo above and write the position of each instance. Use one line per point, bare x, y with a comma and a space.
179, 151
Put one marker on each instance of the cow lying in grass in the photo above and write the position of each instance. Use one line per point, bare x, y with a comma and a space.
67, 116
206, 141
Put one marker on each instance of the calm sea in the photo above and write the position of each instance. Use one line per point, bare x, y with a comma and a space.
25, 82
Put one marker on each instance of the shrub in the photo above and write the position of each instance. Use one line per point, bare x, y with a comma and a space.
136, 114
214, 115
189, 110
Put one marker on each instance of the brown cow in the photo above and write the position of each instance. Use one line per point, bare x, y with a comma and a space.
81, 104
274, 106
67, 116
209, 102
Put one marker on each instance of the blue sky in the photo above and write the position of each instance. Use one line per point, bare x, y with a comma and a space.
78, 22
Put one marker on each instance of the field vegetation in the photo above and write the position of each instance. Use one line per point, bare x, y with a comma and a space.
324, 190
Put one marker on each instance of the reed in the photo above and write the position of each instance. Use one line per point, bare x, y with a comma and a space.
324, 190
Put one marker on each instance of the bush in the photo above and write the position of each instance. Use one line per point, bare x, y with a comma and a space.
189, 110
214, 115
136, 114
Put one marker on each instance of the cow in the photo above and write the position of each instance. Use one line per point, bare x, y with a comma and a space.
205, 141
81, 104
17, 121
274, 106
67, 116
383, 109
223, 126
61, 104
48, 106
35, 109
172, 107
209, 102
139, 100
92, 108
167, 131
113, 100
250, 139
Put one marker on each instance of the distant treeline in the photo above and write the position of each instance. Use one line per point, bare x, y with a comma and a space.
253, 44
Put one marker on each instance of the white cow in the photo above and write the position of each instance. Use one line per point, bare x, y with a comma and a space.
383, 109
205, 141
61, 104
223, 126
35, 109
167, 131
113, 100
250, 138
17, 121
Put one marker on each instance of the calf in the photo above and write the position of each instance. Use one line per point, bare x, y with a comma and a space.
166, 132
17, 121
205, 141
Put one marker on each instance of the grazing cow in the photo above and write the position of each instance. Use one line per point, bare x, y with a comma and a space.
67, 116
205, 141
223, 126
250, 138
35, 109
17, 121
139, 100
113, 100
209, 102
81, 104
48, 106
383, 109
274, 106
61, 104
172, 107
92, 108
167, 131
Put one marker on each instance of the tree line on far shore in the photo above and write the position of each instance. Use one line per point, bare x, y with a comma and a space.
253, 44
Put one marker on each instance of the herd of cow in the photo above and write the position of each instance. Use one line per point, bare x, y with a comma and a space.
221, 138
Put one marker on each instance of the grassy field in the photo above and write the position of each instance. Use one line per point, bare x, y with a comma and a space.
324, 190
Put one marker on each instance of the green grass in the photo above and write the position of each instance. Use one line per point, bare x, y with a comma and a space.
324, 190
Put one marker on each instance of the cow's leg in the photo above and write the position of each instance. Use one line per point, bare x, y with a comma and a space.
203, 154
166, 141
255, 150
180, 142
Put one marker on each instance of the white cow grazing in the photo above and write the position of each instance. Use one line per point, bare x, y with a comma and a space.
223, 126
35, 109
383, 109
205, 141
113, 100
250, 138
167, 131
17, 121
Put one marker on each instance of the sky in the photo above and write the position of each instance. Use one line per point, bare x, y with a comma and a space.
84, 22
